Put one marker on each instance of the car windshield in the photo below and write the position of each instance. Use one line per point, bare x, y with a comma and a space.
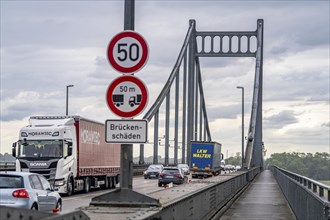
171, 171
11, 182
154, 167
40, 148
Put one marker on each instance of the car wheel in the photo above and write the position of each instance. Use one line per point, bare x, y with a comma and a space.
34, 207
145, 177
160, 185
59, 205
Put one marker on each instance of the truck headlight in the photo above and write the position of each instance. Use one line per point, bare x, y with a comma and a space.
59, 182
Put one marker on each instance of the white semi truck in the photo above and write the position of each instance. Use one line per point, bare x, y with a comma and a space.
70, 151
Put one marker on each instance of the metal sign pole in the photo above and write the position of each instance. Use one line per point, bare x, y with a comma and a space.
125, 196
126, 153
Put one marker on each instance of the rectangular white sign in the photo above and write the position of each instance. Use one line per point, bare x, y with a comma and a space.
126, 131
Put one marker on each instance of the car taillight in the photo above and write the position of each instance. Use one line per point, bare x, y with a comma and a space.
178, 175
21, 193
162, 174
56, 210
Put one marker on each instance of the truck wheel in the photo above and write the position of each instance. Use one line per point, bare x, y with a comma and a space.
110, 182
87, 185
107, 183
113, 183
70, 187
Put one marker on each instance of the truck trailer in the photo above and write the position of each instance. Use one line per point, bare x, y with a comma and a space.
70, 151
205, 159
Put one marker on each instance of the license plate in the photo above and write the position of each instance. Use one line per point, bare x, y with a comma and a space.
152, 175
169, 177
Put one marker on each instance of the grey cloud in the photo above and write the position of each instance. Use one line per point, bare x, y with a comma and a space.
307, 85
326, 124
223, 112
281, 119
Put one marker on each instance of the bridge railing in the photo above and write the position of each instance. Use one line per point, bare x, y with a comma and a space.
138, 169
309, 199
7, 166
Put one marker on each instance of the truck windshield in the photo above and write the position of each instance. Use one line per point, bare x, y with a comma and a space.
40, 148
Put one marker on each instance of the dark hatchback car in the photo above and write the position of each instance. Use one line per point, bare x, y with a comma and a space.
172, 175
153, 171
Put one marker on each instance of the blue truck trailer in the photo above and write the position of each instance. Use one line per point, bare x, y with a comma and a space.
205, 159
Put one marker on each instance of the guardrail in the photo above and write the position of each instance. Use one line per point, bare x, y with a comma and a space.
7, 166
208, 203
138, 169
308, 198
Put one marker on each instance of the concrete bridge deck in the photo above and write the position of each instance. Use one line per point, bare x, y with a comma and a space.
263, 199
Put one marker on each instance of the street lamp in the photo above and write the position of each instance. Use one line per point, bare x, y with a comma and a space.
240, 87
67, 97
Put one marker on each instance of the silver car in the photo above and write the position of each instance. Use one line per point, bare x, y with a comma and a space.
29, 191
185, 168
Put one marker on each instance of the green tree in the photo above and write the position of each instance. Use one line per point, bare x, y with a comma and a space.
315, 166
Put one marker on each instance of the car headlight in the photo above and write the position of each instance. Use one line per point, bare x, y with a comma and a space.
60, 182
145, 172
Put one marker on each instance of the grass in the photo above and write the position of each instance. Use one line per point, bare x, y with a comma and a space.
326, 182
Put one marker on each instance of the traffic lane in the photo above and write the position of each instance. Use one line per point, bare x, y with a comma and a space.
141, 185
78, 200
71, 203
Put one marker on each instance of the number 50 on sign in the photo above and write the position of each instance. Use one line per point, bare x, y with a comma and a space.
127, 52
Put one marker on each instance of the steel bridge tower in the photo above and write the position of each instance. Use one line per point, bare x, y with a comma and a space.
193, 115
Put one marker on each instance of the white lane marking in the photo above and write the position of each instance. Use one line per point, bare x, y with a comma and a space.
87, 195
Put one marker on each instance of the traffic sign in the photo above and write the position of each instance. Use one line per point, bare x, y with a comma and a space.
127, 96
126, 131
127, 52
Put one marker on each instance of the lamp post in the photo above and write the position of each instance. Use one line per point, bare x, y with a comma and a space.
240, 87
67, 97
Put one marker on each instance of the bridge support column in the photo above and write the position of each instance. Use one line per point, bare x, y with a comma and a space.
191, 85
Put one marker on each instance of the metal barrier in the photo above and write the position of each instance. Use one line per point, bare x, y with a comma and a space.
7, 166
207, 203
8, 213
138, 169
308, 198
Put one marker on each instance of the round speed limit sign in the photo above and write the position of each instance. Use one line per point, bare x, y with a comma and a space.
127, 52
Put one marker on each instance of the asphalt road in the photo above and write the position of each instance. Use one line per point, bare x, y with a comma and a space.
140, 185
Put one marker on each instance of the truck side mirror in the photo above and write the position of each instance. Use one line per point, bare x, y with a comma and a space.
69, 148
13, 149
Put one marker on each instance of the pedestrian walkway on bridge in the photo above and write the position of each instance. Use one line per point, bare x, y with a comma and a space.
263, 199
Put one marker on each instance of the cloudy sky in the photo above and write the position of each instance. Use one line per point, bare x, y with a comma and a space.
46, 45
